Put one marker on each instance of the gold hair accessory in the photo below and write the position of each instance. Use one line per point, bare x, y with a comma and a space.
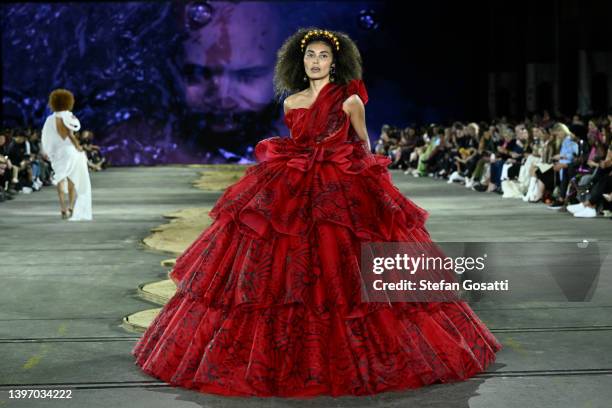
323, 33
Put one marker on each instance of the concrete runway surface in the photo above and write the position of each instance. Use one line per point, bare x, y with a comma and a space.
65, 287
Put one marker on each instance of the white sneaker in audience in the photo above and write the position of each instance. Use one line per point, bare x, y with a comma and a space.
587, 212
455, 176
469, 183
575, 208
555, 205
26, 190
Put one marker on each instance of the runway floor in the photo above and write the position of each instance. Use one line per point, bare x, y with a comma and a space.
65, 287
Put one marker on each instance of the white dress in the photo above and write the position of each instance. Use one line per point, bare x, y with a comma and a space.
68, 162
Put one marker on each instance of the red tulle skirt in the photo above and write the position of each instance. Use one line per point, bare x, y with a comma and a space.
268, 299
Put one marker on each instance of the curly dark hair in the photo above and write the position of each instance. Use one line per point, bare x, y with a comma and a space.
289, 69
61, 100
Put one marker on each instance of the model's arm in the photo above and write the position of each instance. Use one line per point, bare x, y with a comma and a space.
73, 139
356, 110
75, 142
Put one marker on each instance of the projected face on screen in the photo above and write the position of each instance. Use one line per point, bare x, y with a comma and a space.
186, 81
227, 68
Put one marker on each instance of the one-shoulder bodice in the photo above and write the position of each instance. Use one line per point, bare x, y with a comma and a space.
322, 132
325, 120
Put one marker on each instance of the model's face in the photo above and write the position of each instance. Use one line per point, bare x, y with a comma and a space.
318, 60
229, 63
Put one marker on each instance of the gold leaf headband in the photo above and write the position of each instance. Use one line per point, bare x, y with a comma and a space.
317, 33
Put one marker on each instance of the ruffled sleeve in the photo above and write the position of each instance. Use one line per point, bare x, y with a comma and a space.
356, 86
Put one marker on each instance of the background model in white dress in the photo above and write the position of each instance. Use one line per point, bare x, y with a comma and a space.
68, 162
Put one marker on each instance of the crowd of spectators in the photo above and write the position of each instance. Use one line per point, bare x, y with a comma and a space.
565, 163
25, 168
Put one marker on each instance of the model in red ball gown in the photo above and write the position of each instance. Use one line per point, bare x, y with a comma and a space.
268, 299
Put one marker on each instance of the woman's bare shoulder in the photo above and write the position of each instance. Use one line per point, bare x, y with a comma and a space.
293, 100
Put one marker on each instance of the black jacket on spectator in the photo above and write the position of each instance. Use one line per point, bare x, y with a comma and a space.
17, 152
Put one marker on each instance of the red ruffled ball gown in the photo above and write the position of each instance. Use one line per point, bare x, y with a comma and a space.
268, 296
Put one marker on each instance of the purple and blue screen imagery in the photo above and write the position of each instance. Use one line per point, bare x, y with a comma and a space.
191, 81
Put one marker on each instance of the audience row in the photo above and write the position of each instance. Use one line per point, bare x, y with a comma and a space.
25, 168
566, 166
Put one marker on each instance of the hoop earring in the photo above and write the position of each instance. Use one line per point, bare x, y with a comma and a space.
305, 78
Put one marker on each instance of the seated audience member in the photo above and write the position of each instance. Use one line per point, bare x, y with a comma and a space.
515, 173
599, 194
21, 160
509, 151
540, 159
434, 144
382, 144
401, 155
6, 170
41, 169
565, 166
465, 154
486, 147
94, 157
